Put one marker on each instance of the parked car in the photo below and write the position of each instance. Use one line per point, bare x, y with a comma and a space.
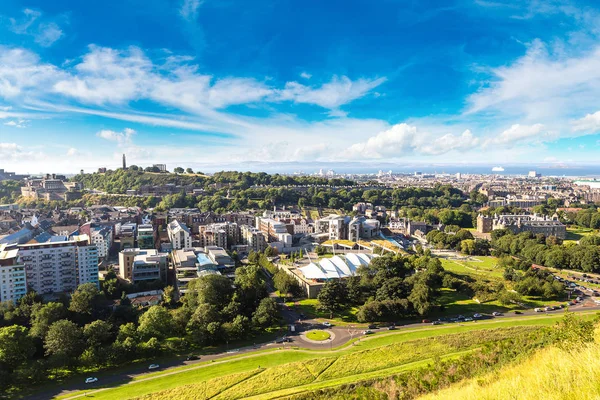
496, 314
425, 321
469, 319
548, 309
538, 310
436, 323
461, 317
477, 315
372, 326
154, 366
392, 328
192, 358
91, 379
367, 332
327, 324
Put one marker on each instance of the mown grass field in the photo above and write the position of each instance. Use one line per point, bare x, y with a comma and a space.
482, 267
310, 308
576, 233
273, 373
318, 335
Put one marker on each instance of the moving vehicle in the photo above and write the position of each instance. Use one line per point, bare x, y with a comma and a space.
367, 332
436, 323
372, 326
392, 328
426, 321
154, 366
327, 324
192, 358
477, 315
91, 379
538, 310
496, 314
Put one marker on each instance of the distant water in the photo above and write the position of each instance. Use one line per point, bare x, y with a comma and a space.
583, 171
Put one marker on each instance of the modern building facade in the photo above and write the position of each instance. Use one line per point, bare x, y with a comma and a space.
60, 264
13, 279
179, 235
136, 265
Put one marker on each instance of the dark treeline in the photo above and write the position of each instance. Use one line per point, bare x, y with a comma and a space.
549, 251
50, 340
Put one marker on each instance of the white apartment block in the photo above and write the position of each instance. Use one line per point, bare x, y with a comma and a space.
253, 238
61, 264
179, 235
102, 237
13, 280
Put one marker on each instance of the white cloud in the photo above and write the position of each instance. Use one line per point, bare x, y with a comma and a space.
122, 138
17, 123
543, 84
44, 33
305, 75
340, 91
393, 143
589, 123
48, 33
189, 9
72, 152
449, 142
517, 134
21, 70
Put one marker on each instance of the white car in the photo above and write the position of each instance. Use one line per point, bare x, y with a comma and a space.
496, 314
91, 379
153, 366
327, 324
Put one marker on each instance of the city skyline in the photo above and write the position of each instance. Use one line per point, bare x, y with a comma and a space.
200, 83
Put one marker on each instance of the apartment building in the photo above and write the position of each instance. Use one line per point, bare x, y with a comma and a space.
190, 264
136, 265
179, 235
13, 279
146, 236
102, 237
60, 264
253, 238
363, 228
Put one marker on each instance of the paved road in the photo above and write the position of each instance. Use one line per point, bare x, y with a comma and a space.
342, 335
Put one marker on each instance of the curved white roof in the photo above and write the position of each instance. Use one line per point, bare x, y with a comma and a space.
336, 267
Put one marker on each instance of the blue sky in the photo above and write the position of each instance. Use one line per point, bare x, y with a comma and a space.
204, 83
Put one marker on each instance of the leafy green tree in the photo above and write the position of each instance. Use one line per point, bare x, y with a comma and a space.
168, 296
266, 313
16, 346
420, 298
86, 299
43, 316
64, 340
98, 333
333, 296
156, 322
286, 284
178, 170
211, 289
189, 170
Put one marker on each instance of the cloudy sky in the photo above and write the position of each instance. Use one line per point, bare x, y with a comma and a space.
197, 82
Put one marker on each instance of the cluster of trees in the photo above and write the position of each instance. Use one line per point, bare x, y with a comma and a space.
464, 216
529, 281
587, 218
9, 191
39, 339
390, 287
548, 251
460, 240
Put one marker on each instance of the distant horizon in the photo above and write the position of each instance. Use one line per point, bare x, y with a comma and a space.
546, 169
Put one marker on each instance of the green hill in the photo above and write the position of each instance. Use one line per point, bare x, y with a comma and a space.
397, 364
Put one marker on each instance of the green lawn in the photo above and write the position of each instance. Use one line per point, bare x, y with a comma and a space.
318, 335
576, 233
477, 266
458, 303
310, 308
254, 374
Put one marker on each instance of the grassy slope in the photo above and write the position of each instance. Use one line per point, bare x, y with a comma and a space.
550, 374
199, 373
